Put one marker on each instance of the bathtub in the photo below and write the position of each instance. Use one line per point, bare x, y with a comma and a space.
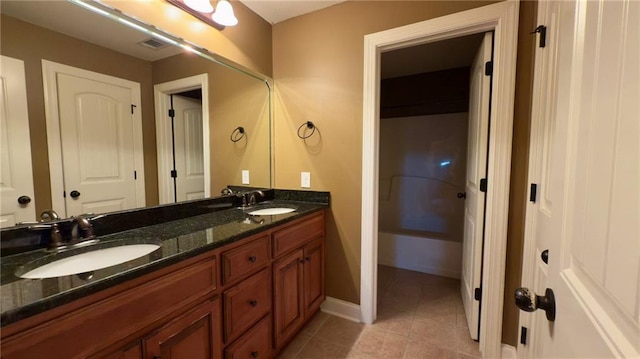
421, 254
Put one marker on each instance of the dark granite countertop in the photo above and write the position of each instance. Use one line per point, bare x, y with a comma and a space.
179, 239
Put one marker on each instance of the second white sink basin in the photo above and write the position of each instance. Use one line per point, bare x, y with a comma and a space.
90, 261
271, 211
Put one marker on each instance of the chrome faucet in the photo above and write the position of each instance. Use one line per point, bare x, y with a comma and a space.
82, 229
252, 197
49, 215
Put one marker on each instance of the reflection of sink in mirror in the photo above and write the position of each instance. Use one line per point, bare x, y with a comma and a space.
271, 211
89, 261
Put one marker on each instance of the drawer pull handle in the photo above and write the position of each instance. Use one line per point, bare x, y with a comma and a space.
253, 303
254, 354
253, 259
308, 259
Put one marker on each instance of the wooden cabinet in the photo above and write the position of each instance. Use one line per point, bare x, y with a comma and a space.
298, 277
246, 299
194, 335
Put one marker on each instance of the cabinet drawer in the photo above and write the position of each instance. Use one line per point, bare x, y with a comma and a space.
243, 260
255, 344
97, 325
295, 235
246, 303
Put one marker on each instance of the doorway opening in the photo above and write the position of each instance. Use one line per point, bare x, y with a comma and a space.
434, 122
182, 135
502, 19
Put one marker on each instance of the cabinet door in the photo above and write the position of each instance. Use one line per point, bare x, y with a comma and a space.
194, 335
314, 293
130, 351
288, 296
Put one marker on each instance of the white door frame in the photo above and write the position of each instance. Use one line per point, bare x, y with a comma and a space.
502, 18
162, 96
50, 71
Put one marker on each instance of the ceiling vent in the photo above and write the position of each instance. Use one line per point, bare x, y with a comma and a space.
153, 44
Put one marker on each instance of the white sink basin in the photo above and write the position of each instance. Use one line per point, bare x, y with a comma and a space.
90, 261
271, 211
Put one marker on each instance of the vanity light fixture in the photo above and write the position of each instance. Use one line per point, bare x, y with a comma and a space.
219, 18
224, 14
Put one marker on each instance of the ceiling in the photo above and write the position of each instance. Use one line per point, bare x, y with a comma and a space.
275, 11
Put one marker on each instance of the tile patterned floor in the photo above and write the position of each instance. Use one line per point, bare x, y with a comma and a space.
419, 316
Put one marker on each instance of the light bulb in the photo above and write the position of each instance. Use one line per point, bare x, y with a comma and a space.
199, 5
224, 14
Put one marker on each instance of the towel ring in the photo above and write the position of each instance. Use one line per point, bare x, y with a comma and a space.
310, 126
237, 134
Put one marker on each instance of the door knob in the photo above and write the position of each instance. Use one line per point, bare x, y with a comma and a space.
527, 300
74, 194
461, 195
24, 199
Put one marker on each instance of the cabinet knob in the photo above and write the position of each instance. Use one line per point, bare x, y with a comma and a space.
308, 259
254, 354
253, 259
253, 303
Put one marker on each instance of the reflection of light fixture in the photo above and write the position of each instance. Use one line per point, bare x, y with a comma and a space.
224, 14
199, 5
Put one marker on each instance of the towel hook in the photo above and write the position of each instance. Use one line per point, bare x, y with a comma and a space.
310, 126
237, 134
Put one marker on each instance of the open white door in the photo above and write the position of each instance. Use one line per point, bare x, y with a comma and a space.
585, 160
478, 136
189, 148
16, 176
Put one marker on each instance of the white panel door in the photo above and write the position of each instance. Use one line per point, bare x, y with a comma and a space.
189, 149
16, 175
97, 136
585, 157
478, 135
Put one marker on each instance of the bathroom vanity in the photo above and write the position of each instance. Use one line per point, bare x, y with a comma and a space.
222, 285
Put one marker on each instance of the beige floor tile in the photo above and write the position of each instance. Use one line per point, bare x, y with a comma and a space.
417, 349
464, 343
394, 321
374, 343
461, 320
318, 348
296, 345
315, 323
433, 332
340, 331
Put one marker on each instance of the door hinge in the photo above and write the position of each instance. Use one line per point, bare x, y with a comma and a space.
533, 192
542, 30
488, 68
483, 185
477, 293
135, 175
172, 113
132, 108
523, 335
64, 194
174, 174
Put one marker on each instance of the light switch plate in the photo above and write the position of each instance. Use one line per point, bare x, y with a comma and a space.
305, 179
245, 176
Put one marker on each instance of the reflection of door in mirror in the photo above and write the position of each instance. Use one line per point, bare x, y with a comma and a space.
187, 134
183, 141
16, 178
97, 142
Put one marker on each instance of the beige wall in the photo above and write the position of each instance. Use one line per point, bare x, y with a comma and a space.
235, 99
317, 67
247, 44
31, 44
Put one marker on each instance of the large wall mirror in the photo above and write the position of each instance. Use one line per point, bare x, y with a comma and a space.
120, 115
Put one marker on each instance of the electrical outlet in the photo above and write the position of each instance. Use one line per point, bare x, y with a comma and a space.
245, 176
305, 179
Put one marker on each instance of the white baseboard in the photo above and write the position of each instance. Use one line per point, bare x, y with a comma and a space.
342, 309
508, 352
